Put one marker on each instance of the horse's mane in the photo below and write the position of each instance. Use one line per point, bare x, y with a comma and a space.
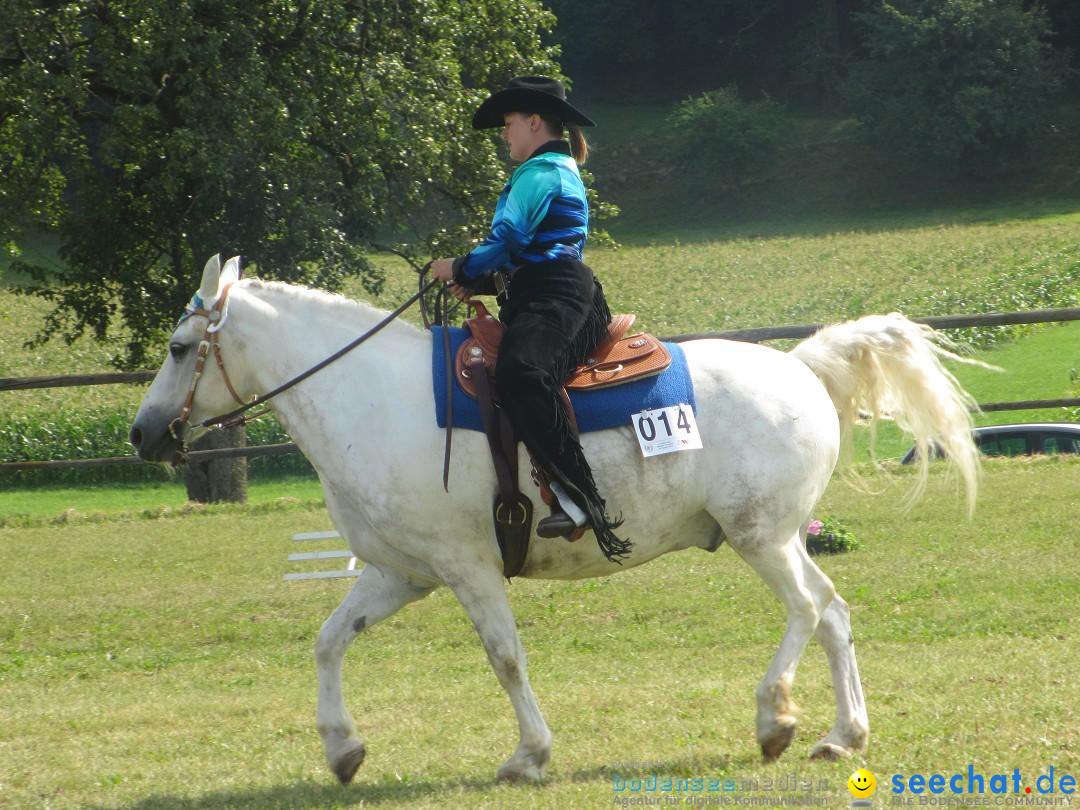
311, 294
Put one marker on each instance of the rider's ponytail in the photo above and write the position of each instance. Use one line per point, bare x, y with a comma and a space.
579, 147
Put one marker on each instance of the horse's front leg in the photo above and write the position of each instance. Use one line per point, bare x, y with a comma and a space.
483, 595
374, 596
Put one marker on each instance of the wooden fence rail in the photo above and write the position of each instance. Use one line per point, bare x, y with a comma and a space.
114, 461
758, 334
752, 335
289, 447
73, 380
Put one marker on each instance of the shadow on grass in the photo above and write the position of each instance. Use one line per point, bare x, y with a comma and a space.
302, 795
826, 179
327, 795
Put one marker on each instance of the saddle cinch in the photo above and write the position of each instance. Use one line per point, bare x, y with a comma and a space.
619, 358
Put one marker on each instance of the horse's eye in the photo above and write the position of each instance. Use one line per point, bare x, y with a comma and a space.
176, 350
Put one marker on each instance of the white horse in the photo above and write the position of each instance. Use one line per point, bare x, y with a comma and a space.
768, 421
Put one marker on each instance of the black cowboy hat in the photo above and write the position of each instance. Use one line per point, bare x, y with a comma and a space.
531, 94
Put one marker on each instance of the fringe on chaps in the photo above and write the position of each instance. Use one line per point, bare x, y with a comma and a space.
555, 314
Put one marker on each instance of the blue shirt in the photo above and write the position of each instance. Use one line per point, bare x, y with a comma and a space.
542, 214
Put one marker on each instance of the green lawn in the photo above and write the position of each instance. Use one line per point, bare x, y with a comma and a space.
1040, 366
92, 501
163, 664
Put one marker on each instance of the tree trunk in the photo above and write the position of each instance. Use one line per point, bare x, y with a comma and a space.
219, 479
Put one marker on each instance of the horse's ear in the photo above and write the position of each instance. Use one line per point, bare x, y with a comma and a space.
231, 272
211, 274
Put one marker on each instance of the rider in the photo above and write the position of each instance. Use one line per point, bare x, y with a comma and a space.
553, 307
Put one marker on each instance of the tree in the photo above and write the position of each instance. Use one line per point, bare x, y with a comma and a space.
148, 135
641, 48
793, 50
1065, 20
957, 81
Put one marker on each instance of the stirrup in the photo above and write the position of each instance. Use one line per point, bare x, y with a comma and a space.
557, 524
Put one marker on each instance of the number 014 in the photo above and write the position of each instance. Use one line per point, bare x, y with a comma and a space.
666, 430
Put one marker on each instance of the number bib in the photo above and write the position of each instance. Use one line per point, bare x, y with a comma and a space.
666, 430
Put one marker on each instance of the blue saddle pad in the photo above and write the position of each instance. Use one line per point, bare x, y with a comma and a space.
598, 409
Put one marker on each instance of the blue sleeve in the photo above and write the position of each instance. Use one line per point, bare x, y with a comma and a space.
518, 215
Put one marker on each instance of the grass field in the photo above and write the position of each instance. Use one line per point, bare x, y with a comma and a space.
163, 664
25, 506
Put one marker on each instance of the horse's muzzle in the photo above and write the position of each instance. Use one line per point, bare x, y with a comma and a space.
161, 446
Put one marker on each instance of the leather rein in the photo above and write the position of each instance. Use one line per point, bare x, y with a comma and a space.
216, 316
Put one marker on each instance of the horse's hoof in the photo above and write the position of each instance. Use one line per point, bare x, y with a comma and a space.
347, 765
518, 776
521, 771
777, 743
829, 752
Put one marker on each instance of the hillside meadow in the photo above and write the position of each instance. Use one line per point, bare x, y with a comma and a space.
992, 259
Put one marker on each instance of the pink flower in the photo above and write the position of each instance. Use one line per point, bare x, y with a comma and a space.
815, 527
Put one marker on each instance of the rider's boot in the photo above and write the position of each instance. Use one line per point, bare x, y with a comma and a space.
566, 516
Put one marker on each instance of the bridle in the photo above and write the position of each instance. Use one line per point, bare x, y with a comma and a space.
216, 315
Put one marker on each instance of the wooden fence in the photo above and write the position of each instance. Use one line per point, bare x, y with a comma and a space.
754, 335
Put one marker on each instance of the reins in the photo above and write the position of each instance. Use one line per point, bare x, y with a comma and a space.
236, 417
444, 310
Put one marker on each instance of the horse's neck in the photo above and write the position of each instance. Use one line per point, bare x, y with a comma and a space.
288, 330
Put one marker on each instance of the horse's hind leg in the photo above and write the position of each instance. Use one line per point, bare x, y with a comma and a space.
852, 727
374, 596
806, 593
483, 595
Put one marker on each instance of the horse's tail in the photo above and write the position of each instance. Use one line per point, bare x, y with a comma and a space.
887, 366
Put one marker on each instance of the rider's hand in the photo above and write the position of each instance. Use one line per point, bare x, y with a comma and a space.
442, 269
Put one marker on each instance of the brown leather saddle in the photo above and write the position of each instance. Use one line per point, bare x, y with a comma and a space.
620, 358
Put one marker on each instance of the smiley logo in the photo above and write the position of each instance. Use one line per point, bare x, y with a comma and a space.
862, 784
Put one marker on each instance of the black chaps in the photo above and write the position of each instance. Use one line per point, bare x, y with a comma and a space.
555, 314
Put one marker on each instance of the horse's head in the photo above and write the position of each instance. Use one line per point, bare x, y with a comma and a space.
187, 389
